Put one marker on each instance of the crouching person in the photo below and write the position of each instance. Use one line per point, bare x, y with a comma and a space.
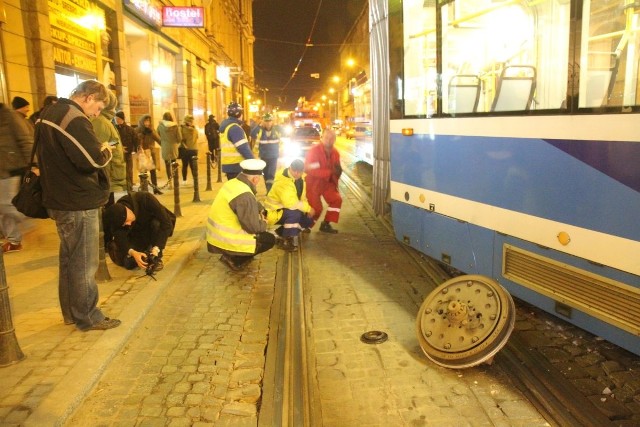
236, 227
137, 226
288, 198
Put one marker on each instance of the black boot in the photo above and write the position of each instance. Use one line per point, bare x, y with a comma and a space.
326, 227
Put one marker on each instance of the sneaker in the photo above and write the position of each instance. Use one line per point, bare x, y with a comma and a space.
326, 227
232, 265
11, 247
306, 230
103, 325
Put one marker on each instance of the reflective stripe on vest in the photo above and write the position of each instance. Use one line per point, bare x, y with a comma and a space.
223, 228
228, 151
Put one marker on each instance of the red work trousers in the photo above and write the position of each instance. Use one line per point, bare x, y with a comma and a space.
328, 191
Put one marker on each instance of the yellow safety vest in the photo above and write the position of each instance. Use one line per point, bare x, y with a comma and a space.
223, 228
228, 151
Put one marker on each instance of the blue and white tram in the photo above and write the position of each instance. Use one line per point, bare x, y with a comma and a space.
515, 149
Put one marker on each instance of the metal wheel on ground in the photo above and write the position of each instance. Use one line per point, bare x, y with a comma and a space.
465, 321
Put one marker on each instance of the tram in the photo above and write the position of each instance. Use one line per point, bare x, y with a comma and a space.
514, 144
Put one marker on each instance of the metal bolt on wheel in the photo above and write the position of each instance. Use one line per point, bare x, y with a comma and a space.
465, 321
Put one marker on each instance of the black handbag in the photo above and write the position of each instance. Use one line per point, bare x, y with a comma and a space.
29, 198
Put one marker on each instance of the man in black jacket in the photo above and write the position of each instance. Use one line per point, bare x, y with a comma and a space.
75, 186
129, 145
137, 226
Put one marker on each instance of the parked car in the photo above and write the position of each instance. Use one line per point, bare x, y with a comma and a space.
301, 139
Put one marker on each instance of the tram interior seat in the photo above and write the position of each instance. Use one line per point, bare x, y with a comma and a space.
600, 82
515, 89
464, 93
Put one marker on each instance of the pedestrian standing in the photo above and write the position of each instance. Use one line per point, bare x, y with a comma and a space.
212, 132
323, 172
287, 199
190, 144
147, 138
16, 142
74, 186
169, 133
234, 146
268, 139
49, 100
237, 225
106, 132
129, 145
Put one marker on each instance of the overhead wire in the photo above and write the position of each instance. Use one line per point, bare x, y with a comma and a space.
304, 51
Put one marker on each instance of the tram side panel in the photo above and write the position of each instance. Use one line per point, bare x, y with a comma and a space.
553, 206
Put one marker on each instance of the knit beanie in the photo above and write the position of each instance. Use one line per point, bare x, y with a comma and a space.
19, 102
120, 114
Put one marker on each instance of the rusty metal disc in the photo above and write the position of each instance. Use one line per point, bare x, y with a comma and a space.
374, 337
465, 321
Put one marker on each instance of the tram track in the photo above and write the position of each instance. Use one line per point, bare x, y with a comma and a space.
290, 358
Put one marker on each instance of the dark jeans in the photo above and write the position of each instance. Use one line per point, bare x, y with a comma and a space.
77, 287
292, 222
186, 163
270, 172
129, 167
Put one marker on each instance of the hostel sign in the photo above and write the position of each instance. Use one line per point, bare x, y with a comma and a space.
183, 16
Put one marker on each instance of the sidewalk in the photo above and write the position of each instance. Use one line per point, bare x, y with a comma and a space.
62, 364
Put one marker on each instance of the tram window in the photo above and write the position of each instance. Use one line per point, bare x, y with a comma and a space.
610, 49
484, 39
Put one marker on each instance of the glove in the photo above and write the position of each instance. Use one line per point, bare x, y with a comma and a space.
337, 170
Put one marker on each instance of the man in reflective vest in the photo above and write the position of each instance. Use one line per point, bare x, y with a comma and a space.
289, 199
236, 226
234, 146
268, 139
323, 172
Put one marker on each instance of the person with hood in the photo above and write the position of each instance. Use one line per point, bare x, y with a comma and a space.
169, 132
106, 132
190, 144
147, 138
234, 145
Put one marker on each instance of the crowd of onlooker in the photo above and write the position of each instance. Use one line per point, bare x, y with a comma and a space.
85, 155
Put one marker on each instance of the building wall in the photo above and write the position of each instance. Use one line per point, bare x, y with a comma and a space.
28, 52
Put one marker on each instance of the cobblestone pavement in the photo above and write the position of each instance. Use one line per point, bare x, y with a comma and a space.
198, 356
606, 374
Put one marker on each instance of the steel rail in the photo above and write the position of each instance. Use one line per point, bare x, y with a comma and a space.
288, 383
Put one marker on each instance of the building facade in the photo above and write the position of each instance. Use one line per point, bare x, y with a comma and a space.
49, 46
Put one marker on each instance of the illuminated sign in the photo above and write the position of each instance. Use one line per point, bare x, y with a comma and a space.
146, 11
223, 74
183, 16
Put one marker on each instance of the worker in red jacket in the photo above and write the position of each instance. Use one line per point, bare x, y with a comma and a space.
323, 172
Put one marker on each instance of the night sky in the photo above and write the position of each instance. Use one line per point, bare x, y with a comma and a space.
282, 27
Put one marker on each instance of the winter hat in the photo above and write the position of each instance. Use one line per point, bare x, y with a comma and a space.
120, 114
19, 102
114, 216
188, 119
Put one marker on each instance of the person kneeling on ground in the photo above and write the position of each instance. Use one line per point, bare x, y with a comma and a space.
288, 199
134, 227
237, 223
